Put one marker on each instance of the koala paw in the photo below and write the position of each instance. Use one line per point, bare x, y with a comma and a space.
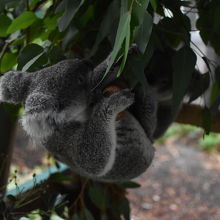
121, 100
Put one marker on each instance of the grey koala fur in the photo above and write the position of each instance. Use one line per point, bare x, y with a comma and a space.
77, 125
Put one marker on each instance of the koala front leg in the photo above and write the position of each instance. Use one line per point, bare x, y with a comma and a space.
145, 109
96, 153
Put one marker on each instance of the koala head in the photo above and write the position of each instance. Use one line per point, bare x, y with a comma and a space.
55, 94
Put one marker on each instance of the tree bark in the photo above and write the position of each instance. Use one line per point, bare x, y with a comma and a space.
6, 147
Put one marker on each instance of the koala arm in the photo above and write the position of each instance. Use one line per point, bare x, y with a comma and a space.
145, 109
96, 152
14, 86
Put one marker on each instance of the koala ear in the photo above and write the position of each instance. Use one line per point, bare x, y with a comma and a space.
14, 86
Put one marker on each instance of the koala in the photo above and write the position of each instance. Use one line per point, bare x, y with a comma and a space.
77, 123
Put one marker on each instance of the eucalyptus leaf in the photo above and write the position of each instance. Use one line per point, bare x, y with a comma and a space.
24, 21
143, 32
205, 59
154, 4
108, 22
5, 22
123, 27
121, 207
140, 9
183, 63
129, 184
126, 49
71, 7
8, 62
206, 120
88, 215
31, 58
97, 196
75, 217
31, 62
125, 208
200, 83
215, 93
217, 75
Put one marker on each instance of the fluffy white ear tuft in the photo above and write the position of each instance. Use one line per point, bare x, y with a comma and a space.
36, 125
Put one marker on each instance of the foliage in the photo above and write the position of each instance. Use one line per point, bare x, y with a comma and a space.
82, 199
39, 33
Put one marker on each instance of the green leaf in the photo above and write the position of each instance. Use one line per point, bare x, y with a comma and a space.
75, 217
215, 93
31, 58
5, 22
126, 49
51, 22
208, 23
123, 27
121, 207
32, 62
55, 55
217, 75
207, 63
88, 214
142, 33
33, 3
86, 17
71, 7
97, 196
59, 178
200, 83
183, 63
140, 10
135, 67
22, 22
125, 208
129, 184
11, 198
104, 217
154, 4
8, 61
106, 26
207, 120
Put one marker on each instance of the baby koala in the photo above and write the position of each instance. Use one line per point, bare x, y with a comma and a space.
77, 124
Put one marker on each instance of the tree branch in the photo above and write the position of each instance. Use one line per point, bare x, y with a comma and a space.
193, 114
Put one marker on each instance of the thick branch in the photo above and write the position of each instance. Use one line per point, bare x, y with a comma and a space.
193, 114
6, 147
